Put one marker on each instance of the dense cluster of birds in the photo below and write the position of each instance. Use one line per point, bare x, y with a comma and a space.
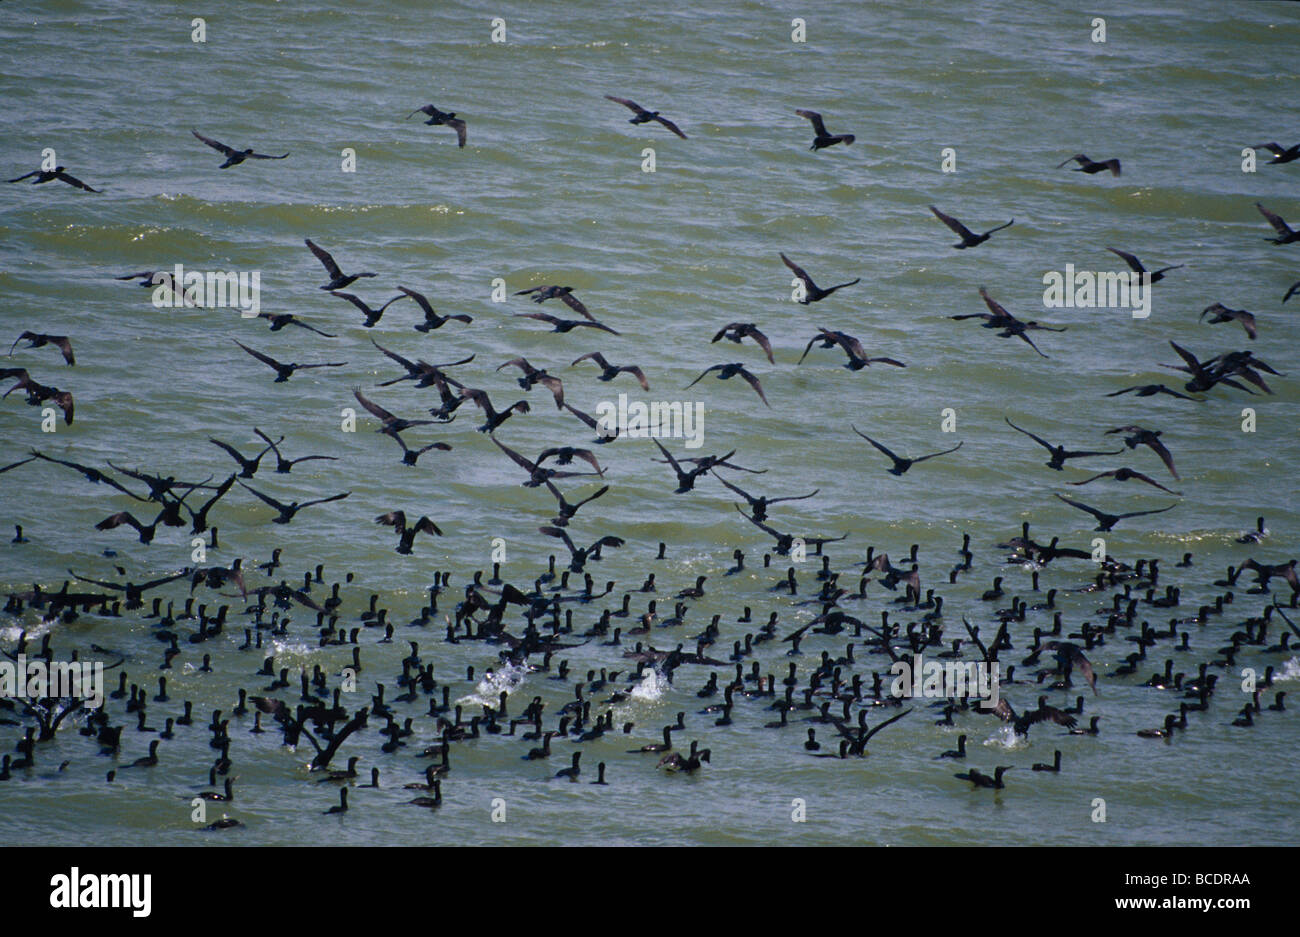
410, 722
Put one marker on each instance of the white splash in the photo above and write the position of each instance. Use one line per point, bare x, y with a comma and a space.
488, 692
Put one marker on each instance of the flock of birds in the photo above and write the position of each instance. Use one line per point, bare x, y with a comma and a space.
414, 717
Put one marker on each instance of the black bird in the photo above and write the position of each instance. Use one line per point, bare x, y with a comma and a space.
901, 465
282, 465
858, 358
760, 505
37, 339
389, 423
287, 511
1280, 155
284, 371
823, 139
280, 320
1222, 313
537, 473
337, 278
1020, 722
1069, 656
49, 175
566, 509
968, 237
573, 770
494, 417
431, 318
812, 292
1123, 475
726, 371
1107, 521
233, 156
342, 805
439, 118
372, 315
534, 376
979, 779
578, 556
1149, 438
564, 325
609, 371
1136, 265
998, 317
736, 331
541, 294
1059, 453
1054, 766
1090, 167
643, 116
405, 534
1150, 390
1284, 234
248, 467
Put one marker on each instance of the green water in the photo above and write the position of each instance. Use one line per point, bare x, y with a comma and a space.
550, 189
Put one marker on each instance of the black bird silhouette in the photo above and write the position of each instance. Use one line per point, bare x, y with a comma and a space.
643, 116
372, 315
405, 534
431, 319
578, 556
93, 475
1280, 155
999, 317
1145, 437
1044, 713
37, 393
233, 156
727, 371
609, 371
823, 138
439, 118
565, 325
200, 517
566, 509
1123, 475
49, 175
1090, 167
281, 319
284, 466
1069, 656
1059, 453
979, 779
858, 358
1284, 234
785, 542
287, 511
1107, 521
541, 294
534, 376
38, 339
494, 417
813, 293
537, 473
337, 278
901, 465
146, 531
968, 237
1136, 265
284, 371
1222, 313
736, 331
1150, 390
759, 505
390, 424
